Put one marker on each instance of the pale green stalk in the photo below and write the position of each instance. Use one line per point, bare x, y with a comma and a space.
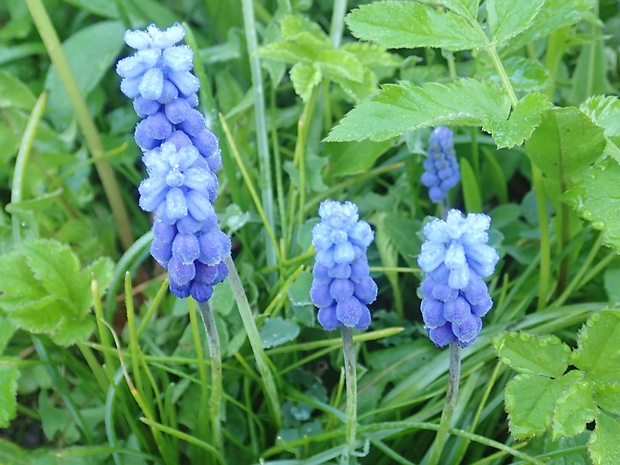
448, 409
337, 24
351, 381
262, 362
264, 161
84, 120
213, 340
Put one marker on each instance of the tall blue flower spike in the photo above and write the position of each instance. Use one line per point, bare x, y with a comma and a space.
342, 287
441, 166
181, 157
456, 258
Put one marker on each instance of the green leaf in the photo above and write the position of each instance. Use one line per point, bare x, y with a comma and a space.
14, 93
526, 353
402, 108
498, 179
347, 158
288, 52
604, 447
604, 111
358, 91
394, 24
305, 77
598, 352
8, 389
607, 396
507, 18
298, 29
525, 117
371, 55
299, 291
470, 188
565, 144
611, 277
339, 64
103, 8
466, 8
102, 269
401, 233
19, 286
38, 316
57, 268
553, 15
277, 331
91, 52
7, 329
575, 408
530, 402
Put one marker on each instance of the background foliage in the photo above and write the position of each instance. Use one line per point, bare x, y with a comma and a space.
99, 364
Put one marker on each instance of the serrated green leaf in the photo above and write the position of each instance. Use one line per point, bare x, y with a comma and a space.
507, 18
91, 52
394, 24
346, 158
594, 196
607, 396
288, 52
598, 352
19, 286
14, 93
8, 390
525, 118
575, 408
604, 110
39, 316
298, 29
57, 268
530, 402
553, 15
466, 8
7, 329
358, 91
339, 64
102, 269
402, 108
371, 55
277, 331
71, 330
527, 353
565, 144
305, 77
470, 188
604, 447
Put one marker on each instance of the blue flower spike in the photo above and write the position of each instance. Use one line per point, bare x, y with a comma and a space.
181, 156
441, 168
456, 258
342, 287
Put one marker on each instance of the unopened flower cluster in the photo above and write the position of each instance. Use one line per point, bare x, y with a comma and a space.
342, 287
181, 157
441, 166
456, 258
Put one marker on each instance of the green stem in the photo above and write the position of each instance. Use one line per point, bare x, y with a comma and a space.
84, 120
213, 340
499, 67
262, 362
261, 127
337, 23
448, 409
545, 241
22, 159
351, 381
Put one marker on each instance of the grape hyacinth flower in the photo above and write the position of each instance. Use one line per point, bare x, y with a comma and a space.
456, 258
181, 156
342, 287
441, 166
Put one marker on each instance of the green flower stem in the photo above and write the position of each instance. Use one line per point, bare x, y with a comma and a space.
499, 67
351, 381
262, 362
213, 340
84, 120
448, 409
261, 126
21, 162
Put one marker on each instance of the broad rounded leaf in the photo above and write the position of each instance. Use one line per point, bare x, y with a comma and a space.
604, 446
277, 331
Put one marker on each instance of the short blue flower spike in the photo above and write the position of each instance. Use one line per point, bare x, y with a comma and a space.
181, 156
441, 166
456, 258
342, 287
